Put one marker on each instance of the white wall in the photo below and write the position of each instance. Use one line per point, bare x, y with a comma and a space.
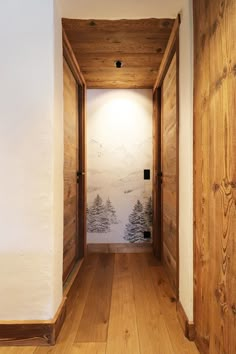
31, 148
186, 160
123, 9
119, 148
31, 160
105, 9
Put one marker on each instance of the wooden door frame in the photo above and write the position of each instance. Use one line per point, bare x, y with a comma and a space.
81, 202
171, 49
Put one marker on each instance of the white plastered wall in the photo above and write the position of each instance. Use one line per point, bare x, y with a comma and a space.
31, 148
134, 9
186, 160
31, 159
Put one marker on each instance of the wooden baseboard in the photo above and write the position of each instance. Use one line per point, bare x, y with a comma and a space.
70, 281
202, 345
120, 248
33, 333
187, 326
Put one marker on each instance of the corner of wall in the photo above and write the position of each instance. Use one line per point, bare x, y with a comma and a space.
186, 161
58, 146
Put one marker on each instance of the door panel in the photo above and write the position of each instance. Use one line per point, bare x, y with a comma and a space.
215, 175
156, 191
169, 172
70, 171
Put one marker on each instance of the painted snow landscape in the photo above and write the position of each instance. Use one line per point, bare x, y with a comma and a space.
119, 199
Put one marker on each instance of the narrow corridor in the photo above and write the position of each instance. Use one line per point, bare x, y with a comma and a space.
119, 304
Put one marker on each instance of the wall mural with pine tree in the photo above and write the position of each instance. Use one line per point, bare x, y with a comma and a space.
100, 216
119, 148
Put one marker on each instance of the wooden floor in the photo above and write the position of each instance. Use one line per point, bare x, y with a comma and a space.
119, 304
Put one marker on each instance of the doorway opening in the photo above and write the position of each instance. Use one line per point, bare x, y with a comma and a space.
148, 53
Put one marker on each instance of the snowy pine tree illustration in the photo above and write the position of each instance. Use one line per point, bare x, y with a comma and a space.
111, 212
97, 217
148, 212
88, 214
137, 224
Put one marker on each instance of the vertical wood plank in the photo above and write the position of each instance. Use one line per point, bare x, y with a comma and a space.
167, 300
157, 233
169, 171
201, 168
153, 334
94, 322
88, 348
215, 175
17, 350
70, 249
122, 332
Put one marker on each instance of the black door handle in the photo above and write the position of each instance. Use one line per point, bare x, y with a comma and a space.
79, 173
159, 175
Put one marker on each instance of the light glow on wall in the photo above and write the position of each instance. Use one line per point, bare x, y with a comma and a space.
123, 115
119, 148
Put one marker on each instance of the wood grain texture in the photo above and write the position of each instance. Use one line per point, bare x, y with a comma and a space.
169, 51
119, 248
73, 275
71, 158
82, 169
70, 189
187, 326
88, 348
71, 60
215, 175
94, 324
17, 350
167, 300
122, 332
156, 190
139, 44
169, 171
153, 333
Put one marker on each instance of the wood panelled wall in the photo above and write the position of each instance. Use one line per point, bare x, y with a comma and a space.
215, 175
169, 172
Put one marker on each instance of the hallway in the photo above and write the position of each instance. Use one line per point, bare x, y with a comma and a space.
119, 304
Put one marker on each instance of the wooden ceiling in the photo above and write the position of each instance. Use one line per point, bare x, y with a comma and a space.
139, 44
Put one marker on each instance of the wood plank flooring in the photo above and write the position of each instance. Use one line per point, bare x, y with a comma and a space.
119, 304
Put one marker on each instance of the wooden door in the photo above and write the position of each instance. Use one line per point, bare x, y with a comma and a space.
71, 162
156, 190
215, 175
169, 152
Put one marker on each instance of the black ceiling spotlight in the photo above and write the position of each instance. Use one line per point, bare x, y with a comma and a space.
118, 64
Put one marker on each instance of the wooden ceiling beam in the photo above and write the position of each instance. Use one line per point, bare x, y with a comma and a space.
150, 25
120, 85
125, 46
107, 36
107, 61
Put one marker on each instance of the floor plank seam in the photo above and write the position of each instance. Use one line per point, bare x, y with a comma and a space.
136, 320
110, 301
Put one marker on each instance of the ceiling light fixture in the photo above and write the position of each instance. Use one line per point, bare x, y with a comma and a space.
118, 64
